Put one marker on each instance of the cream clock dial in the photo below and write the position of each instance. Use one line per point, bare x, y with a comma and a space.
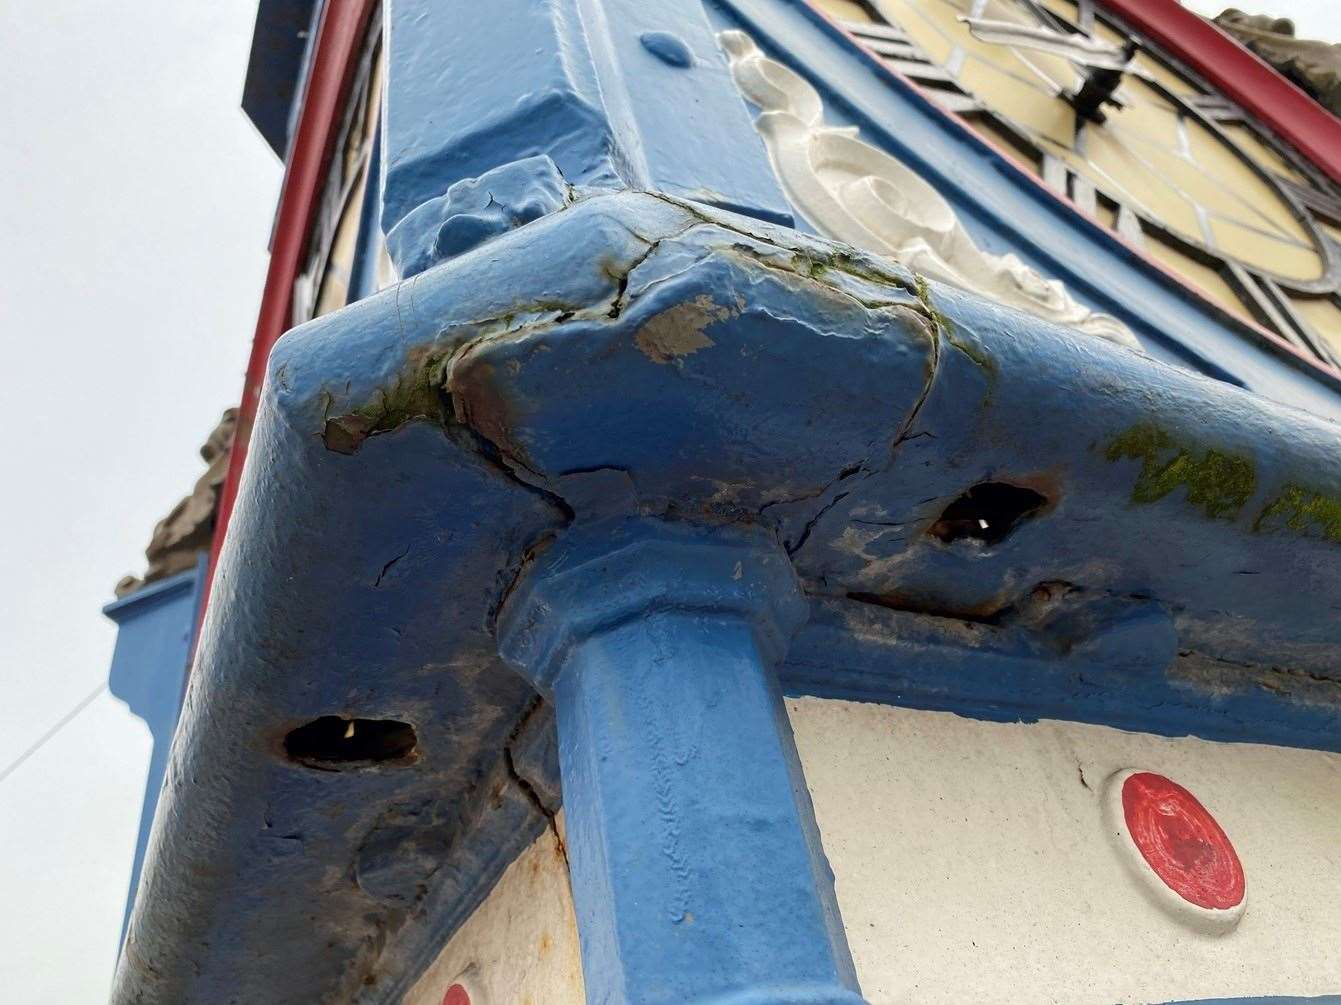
1136, 141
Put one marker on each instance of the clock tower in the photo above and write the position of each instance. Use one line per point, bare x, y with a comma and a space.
757, 501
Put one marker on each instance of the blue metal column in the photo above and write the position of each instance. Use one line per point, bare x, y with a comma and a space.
696, 865
155, 627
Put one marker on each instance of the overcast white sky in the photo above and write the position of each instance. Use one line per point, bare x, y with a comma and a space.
1320, 19
135, 208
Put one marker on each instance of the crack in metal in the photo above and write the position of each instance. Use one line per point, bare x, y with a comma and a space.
524, 784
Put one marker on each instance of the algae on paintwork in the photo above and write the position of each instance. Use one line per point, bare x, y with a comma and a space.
1218, 483
974, 352
414, 394
1302, 511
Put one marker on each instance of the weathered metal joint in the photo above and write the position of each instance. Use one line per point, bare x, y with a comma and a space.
604, 574
695, 862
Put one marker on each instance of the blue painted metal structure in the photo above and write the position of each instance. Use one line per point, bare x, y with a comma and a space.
284, 33
441, 430
567, 354
155, 628
696, 865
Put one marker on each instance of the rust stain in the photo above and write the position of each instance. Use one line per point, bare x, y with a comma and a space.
678, 331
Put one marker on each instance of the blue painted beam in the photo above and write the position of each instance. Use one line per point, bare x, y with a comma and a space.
696, 864
586, 351
451, 114
155, 628
279, 46
675, 109
1122, 671
415, 449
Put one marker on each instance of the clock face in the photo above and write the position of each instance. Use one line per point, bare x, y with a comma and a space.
1136, 141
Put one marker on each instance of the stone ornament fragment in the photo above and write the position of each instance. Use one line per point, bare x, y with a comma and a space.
1176, 851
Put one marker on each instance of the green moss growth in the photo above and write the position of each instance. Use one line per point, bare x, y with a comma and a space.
1304, 512
947, 328
805, 265
867, 269
924, 297
415, 394
1218, 483
816, 263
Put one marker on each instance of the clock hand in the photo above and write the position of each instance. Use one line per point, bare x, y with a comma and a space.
1082, 50
1100, 86
1102, 64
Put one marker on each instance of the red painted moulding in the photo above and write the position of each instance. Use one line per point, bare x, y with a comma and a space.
1241, 75
331, 70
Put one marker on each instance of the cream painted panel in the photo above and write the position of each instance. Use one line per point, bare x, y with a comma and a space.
1228, 170
1170, 167
1278, 256
1113, 163
1019, 100
1207, 280
844, 10
520, 946
1323, 317
972, 863
1245, 139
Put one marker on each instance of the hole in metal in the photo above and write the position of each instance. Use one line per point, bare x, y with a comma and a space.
333, 742
987, 513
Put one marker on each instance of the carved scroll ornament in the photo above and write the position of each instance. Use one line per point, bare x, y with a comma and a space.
854, 192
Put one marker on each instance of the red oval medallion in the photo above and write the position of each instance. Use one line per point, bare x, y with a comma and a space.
1181, 842
456, 995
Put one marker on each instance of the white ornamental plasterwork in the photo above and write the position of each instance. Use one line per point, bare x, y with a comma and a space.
856, 193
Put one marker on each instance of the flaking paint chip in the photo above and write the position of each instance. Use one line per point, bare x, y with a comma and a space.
679, 331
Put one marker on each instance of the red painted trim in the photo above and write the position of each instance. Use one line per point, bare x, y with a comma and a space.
1241, 75
331, 70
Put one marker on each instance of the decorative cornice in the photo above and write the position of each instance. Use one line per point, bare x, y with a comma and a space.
853, 191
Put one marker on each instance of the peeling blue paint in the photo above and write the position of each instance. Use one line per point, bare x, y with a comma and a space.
474, 210
155, 628
564, 351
